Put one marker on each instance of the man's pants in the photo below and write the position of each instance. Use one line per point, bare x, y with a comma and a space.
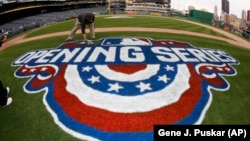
3, 95
78, 26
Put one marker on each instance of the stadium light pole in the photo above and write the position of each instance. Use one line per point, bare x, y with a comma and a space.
109, 6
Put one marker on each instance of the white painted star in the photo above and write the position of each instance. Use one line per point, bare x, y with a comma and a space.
115, 87
219, 69
24, 70
44, 68
228, 69
163, 43
169, 68
32, 70
87, 68
143, 86
210, 68
163, 78
94, 79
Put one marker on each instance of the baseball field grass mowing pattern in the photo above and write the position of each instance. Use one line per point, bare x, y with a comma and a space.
135, 21
27, 118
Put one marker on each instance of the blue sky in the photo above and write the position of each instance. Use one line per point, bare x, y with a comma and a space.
236, 6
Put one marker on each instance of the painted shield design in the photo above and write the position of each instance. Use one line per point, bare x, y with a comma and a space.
119, 88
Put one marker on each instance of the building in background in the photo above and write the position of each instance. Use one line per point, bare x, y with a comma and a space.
224, 10
153, 7
216, 16
243, 15
248, 16
243, 19
225, 6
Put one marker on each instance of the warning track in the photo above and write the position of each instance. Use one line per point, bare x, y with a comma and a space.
231, 39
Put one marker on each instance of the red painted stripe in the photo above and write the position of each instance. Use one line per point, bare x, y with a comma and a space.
118, 122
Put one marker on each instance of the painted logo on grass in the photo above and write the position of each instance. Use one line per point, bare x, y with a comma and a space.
119, 88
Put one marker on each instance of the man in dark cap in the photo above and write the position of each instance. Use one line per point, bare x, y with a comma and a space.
83, 20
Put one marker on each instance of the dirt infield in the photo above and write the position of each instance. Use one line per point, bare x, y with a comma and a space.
232, 39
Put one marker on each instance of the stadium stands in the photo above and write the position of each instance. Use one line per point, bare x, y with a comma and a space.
21, 25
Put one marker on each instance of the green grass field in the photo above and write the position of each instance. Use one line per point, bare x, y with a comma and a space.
27, 118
